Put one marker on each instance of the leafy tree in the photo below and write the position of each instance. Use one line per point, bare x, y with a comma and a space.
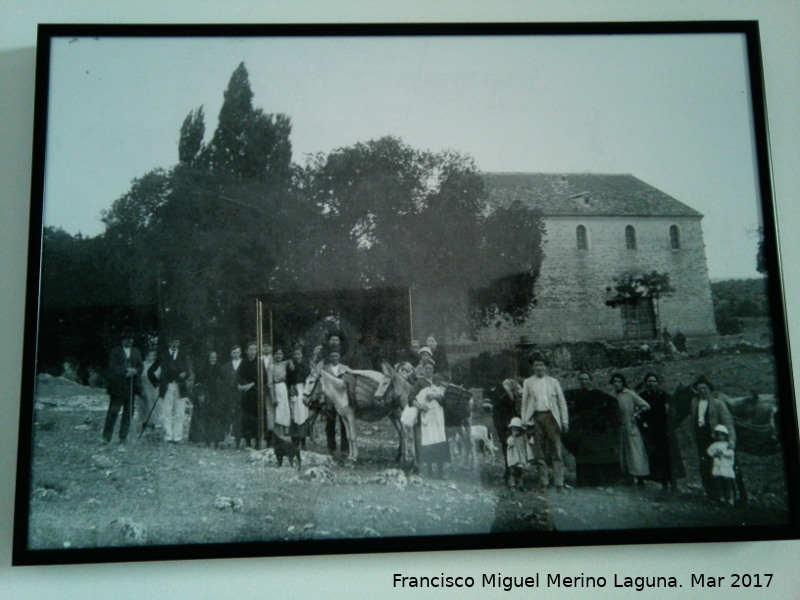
512, 236
132, 213
235, 218
247, 142
631, 287
190, 143
736, 299
390, 215
85, 291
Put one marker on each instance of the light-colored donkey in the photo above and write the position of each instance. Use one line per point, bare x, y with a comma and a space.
388, 401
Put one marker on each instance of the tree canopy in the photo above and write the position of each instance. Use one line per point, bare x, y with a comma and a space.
390, 215
630, 287
234, 218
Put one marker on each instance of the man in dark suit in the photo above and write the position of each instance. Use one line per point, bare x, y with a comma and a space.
175, 371
124, 369
230, 372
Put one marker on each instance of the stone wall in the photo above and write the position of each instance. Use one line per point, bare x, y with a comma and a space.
571, 289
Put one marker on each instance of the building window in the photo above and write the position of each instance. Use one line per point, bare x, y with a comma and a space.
674, 237
630, 237
580, 234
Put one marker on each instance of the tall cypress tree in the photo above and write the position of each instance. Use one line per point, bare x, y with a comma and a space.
190, 143
248, 143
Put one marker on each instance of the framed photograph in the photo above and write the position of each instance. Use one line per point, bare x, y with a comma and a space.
376, 288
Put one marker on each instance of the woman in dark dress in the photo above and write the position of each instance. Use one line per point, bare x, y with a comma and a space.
658, 430
215, 412
439, 355
247, 384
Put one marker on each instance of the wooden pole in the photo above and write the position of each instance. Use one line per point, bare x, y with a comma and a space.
260, 372
272, 359
410, 318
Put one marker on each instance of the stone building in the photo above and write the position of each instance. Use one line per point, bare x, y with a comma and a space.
597, 228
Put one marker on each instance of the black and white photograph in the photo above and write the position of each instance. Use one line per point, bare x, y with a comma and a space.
302, 290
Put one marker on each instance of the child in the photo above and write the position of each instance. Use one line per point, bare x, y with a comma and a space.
722, 469
519, 452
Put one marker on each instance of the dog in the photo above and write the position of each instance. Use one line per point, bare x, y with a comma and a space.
285, 448
479, 435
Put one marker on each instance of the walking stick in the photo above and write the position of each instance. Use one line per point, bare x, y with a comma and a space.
147, 420
130, 404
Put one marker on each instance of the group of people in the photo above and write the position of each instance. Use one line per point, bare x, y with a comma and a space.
532, 418
225, 397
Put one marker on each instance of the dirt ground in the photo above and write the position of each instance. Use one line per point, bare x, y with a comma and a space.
146, 492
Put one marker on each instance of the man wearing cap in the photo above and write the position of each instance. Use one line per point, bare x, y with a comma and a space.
171, 381
124, 369
544, 406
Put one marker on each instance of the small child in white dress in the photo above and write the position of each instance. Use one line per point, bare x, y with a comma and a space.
722, 469
519, 453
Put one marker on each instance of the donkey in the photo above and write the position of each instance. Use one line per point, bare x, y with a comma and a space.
334, 393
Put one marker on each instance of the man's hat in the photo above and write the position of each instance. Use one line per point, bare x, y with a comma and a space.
126, 334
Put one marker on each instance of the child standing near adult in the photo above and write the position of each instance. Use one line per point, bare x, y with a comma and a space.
722, 469
519, 453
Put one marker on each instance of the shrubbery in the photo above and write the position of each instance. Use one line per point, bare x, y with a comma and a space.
735, 299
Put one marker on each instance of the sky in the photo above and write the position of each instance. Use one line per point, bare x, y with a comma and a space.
673, 110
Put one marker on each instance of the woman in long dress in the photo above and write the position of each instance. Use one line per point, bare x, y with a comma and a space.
247, 385
632, 452
280, 393
433, 446
658, 429
297, 372
210, 413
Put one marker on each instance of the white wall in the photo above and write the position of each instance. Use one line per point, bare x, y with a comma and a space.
366, 576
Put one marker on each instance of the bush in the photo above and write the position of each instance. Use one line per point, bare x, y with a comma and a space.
728, 323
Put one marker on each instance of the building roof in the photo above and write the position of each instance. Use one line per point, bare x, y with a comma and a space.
584, 194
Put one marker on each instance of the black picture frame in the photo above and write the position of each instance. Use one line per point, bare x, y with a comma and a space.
24, 554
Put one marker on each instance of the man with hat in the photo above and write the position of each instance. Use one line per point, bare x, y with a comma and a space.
709, 408
171, 382
124, 369
544, 406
